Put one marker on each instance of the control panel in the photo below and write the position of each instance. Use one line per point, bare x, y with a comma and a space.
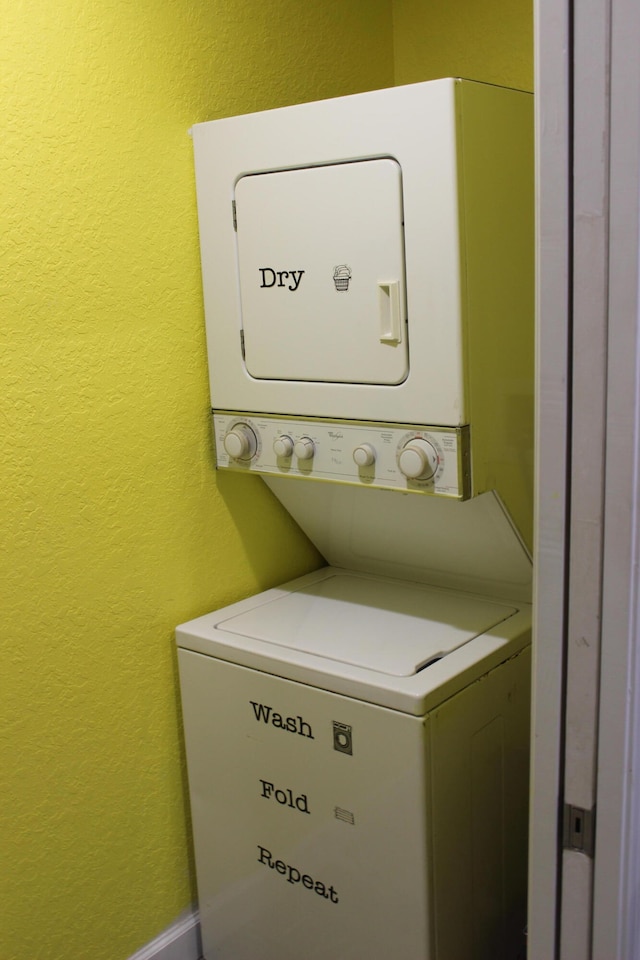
406, 457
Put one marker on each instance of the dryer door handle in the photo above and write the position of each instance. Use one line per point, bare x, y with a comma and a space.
389, 306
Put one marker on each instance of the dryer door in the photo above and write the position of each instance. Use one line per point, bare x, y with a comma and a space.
321, 269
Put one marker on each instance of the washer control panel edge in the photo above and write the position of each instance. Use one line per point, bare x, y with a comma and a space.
407, 457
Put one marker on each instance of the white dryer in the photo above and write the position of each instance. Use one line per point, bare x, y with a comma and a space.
368, 262
357, 740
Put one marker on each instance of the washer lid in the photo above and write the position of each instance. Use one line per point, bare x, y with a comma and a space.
388, 626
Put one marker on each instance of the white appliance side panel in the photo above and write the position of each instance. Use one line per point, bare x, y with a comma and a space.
471, 546
321, 267
416, 126
479, 796
310, 819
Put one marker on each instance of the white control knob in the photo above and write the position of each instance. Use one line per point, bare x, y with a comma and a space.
304, 448
283, 446
418, 460
240, 442
364, 455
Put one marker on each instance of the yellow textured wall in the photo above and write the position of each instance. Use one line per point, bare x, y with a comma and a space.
488, 40
113, 526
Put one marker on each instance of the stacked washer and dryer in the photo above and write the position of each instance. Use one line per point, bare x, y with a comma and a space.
357, 739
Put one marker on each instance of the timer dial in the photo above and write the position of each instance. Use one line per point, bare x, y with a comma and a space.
304, 448
283, 446
418, 460
240, 442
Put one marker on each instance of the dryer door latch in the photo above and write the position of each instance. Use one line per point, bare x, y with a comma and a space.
390, 316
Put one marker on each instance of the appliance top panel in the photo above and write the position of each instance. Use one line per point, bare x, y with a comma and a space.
391, 627
365, 636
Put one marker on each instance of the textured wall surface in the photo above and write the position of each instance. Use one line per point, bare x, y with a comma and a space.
488, 40
114, 528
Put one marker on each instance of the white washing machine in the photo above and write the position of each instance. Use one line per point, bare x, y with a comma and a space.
357, 752
357, 740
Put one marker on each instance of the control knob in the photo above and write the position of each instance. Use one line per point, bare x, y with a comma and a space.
240, 442
304, 448
283, 446
364, 455
418, 460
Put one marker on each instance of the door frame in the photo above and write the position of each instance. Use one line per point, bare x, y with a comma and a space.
588, 93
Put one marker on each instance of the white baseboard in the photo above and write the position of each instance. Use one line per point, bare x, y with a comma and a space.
180, 941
